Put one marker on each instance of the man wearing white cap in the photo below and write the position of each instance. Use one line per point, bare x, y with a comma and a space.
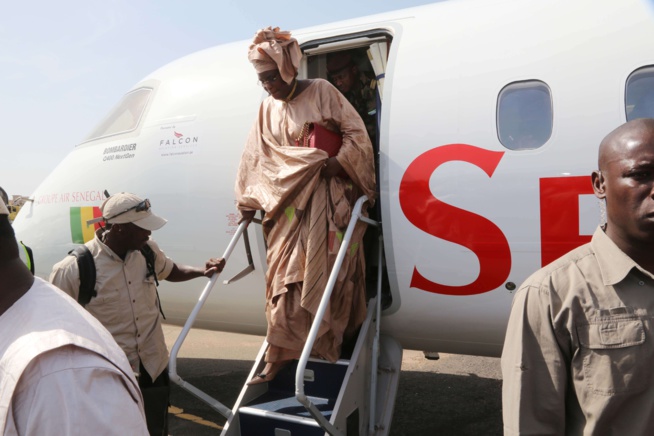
61, 372
126, 302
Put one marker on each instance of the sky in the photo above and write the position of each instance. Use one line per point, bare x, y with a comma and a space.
64, 64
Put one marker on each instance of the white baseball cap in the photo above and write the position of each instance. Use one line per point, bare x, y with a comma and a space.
124, 208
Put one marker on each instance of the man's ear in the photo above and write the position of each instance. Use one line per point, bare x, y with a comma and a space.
599, 188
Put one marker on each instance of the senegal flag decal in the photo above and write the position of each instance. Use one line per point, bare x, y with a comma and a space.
79, 231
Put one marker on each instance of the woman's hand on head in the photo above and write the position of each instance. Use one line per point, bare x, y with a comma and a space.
331, 168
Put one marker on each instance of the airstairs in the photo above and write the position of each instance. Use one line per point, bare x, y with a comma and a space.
353, 396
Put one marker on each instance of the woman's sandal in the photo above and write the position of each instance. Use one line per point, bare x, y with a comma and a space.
263, 377
258, 379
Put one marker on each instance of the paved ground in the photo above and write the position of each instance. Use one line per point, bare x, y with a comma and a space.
455, 395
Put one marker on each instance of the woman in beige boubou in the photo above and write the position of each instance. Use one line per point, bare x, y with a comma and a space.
307, 206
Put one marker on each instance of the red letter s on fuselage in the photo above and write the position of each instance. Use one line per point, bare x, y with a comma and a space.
453, 224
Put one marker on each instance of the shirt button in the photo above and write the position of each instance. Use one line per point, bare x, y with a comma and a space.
641, 283
129, 283
133, 301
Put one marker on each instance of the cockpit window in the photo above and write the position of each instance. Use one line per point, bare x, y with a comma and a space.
524, 115
125, 116
639, 94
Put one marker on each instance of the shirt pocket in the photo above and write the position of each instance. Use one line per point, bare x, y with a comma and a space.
106, 306
614, 353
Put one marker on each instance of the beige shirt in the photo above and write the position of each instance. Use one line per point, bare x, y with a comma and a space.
61, 373
579, 353
126, 303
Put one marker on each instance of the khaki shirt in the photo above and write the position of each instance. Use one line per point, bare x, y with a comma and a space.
126, 303
579, 350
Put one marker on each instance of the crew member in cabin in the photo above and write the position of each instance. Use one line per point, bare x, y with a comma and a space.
127, 302
359, 87
579, 347
306, 206
61, 372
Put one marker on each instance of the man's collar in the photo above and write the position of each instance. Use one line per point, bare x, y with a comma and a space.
614, 263
104, 247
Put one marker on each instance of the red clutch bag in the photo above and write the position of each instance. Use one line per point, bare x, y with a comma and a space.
316, 136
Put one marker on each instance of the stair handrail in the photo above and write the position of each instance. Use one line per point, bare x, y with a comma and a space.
320, 313
172, 360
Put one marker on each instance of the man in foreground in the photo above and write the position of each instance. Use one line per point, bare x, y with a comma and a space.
61, 372
579, 347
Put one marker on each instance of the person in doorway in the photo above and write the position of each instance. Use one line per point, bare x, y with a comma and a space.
61, 372
127, 302
579, 344
307, 206
359, 88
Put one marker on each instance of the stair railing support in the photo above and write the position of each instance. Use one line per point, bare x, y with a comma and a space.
375, 344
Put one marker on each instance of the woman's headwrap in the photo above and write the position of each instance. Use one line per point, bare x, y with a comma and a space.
272, 49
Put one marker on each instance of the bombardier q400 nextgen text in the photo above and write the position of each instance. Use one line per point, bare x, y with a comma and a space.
490, 113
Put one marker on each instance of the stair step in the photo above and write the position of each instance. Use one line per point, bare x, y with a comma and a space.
275, 414
321, 379
269, 426
288, 405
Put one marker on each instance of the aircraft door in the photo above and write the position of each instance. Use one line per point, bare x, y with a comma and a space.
356, 65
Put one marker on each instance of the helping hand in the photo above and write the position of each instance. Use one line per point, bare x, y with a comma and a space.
213, 266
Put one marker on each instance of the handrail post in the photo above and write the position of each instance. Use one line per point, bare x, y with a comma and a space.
375, 343
320, 313
172, 360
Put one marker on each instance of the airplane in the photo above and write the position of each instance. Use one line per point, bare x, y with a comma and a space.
490, 115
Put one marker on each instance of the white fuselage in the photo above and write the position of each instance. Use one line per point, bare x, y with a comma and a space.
464, 218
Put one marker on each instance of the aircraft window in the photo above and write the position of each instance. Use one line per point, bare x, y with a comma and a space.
639, 98
524, 115
125, 116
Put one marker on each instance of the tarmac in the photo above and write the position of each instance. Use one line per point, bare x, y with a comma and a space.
454, 395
